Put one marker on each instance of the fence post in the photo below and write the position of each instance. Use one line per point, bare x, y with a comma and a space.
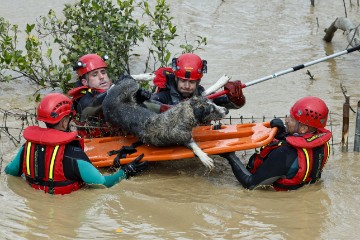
345, 128
357, 130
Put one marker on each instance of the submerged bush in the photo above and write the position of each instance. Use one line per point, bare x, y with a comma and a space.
88, 26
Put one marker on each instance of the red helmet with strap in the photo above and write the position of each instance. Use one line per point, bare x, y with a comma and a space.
311, 111
88, 63
189, 66
54, 107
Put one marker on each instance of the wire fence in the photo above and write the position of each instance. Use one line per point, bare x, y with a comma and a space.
14, 121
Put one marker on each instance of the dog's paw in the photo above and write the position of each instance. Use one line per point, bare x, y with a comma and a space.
208, 162
205, 159
144, 77
224, 78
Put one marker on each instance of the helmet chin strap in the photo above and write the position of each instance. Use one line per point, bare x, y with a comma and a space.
87, 79
297, 126
68, 123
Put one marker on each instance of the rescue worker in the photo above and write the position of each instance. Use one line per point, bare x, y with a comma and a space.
296, 156
93, 83
183, 82
93, 80
53, 160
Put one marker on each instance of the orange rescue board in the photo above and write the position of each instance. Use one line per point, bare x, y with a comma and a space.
229, 138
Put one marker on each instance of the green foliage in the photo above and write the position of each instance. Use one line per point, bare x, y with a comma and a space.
30, 62
187, 48
93, 26
161, 33
88, 26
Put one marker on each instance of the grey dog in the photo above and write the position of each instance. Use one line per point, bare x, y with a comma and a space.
173, 127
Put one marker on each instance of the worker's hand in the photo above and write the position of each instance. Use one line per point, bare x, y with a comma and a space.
142, 95
235, 93
277, 122
135, 166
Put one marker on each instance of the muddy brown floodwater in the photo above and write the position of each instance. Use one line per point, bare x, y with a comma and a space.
179, 199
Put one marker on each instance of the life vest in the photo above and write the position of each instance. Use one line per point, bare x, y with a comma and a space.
43, 155
78, 92
96, 126
313, 151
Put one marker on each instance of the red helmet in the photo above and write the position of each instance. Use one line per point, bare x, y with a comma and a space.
54, 107
89, 62
189, 66
311, 111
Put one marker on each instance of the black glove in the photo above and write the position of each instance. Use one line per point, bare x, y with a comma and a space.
142, 95
277, 122
133, 167
251, 163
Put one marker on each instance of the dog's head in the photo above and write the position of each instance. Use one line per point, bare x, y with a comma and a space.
206, 111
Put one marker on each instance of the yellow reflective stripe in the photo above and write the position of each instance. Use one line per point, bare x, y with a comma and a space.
28, 150
328, 152
279, 144
307, 164
52, 162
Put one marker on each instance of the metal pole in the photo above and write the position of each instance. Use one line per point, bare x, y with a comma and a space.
301, 66
286, 71
357, 130
345, 128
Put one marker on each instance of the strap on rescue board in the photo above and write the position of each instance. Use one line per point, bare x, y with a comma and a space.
228, 138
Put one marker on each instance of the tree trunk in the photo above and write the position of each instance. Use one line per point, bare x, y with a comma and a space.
347, 26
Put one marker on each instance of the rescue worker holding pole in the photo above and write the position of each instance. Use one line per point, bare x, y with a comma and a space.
182, 81
53, 160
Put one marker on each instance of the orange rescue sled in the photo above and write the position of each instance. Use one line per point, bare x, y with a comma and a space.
228, 138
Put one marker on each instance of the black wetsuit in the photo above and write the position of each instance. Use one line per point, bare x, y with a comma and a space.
90, 104
280, 163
